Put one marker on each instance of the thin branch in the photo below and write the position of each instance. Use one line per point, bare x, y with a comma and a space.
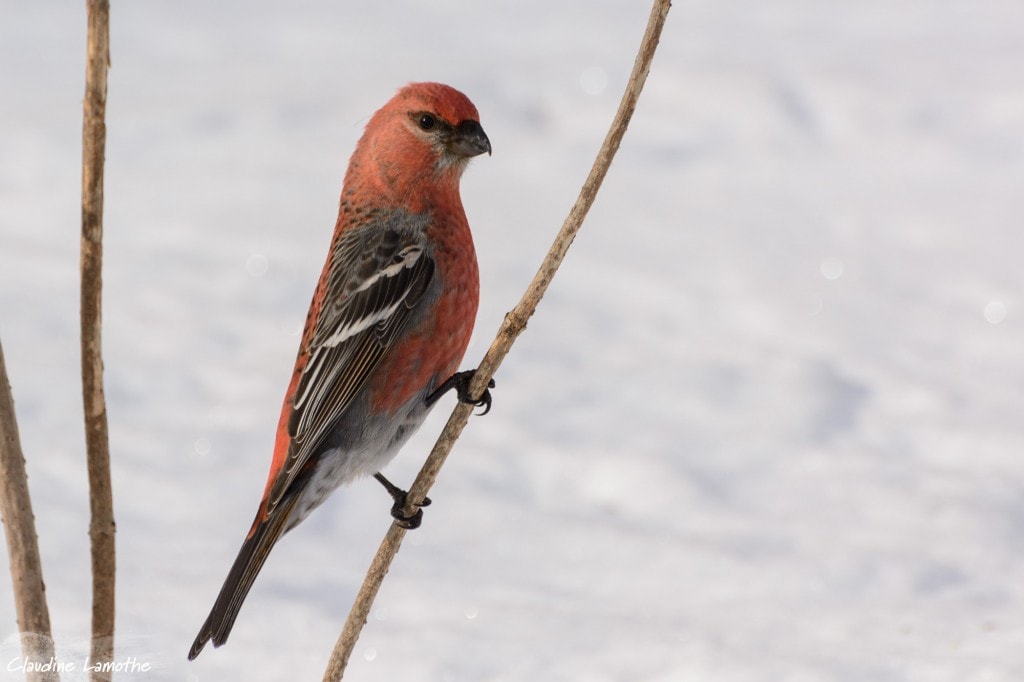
101, 501
22, 545
513, 325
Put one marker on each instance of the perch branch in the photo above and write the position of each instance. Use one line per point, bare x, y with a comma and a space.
101, 502
513, 325
22, 546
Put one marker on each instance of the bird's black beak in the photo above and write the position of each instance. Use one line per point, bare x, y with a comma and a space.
468, 140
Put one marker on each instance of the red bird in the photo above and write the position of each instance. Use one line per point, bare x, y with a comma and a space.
389, 323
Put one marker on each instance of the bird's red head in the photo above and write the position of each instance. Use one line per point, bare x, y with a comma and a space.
424, 136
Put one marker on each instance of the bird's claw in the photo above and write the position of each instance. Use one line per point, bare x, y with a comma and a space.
462, 381
401, 498
408, 522
411, 521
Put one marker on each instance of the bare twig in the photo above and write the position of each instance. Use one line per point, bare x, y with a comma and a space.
513, 325
101, 502
22, 547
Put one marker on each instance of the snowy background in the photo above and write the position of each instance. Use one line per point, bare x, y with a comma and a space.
766, 425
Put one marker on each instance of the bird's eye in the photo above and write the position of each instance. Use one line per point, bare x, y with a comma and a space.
426, 122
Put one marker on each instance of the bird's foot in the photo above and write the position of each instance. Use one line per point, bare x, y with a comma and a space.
460, 381
401, 497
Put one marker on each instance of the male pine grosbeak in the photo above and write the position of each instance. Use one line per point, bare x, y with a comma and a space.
388, 326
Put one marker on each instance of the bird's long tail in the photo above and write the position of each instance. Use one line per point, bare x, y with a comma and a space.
248, 563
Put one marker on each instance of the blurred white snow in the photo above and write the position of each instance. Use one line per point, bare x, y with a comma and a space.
765, 426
